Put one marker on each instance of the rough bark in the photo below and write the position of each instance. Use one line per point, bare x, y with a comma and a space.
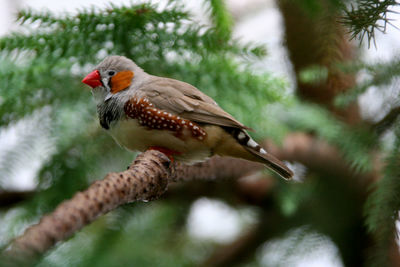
145, 179
319, 40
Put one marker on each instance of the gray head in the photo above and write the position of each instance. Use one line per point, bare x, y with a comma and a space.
114, 75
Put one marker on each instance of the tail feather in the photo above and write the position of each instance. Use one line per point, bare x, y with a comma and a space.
261, 154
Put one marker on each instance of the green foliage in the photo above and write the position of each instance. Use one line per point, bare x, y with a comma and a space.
361, 17
379, 75
367, 17
313, 75
382, 208
354, 143
222, 19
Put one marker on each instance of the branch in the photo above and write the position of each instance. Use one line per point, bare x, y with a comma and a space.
10, 198
146, 179
215, 168
387, 121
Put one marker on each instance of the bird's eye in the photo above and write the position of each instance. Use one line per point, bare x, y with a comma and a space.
111, 73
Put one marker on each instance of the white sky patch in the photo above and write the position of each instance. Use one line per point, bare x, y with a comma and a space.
265, 27
216, 221
70, 5
375, 102
300, 248
24, 146
397, 224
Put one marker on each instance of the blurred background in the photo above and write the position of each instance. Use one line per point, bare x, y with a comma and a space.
326, 104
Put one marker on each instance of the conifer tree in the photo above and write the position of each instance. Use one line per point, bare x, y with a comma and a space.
348, 191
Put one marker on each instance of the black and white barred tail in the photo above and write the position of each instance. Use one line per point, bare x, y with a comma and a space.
263, 156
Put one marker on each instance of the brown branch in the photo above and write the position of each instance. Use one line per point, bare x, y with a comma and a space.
387, 121
215, 168
10, 198
320, 40
146, 179
319, 156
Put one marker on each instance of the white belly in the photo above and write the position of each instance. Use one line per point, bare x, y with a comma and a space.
129, 134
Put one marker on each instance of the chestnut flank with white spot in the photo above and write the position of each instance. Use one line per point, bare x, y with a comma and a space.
149, 117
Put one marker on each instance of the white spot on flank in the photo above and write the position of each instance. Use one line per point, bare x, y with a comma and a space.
165, 125
148, 112
154, 120
191, 124
183, 122
263, 151
195, 128
251, 143
241, 136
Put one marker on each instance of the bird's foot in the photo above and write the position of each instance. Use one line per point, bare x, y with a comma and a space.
168, 152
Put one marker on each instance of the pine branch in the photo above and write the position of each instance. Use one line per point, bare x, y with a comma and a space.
146, 179
382, 209
387, 121
368, 17
222, 19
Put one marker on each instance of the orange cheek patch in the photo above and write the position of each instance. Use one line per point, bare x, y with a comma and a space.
121, 81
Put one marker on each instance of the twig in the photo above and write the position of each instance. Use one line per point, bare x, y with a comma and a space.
9, 198
387, 121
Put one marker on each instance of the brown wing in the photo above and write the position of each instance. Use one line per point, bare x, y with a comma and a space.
187, 101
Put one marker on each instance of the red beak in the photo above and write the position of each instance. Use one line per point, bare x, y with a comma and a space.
93, 79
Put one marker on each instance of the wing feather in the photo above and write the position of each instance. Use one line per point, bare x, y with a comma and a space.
187, 101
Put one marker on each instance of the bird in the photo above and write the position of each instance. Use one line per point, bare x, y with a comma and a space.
142, 111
